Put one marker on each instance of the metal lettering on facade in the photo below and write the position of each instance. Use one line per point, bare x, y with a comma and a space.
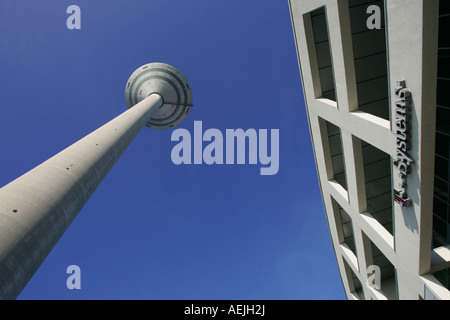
403, 161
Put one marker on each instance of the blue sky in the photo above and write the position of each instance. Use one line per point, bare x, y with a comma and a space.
155, 230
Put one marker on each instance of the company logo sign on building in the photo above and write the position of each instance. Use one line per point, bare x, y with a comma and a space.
403, 160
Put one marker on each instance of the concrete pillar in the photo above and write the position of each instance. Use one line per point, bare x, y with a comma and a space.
38, 207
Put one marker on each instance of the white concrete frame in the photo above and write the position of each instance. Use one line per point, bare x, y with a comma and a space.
411, 34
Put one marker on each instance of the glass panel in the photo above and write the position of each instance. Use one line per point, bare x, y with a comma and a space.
333, 133
323, 51
377, 175
369, 50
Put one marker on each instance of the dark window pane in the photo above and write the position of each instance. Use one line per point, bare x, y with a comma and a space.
444, 25
323, 52
369, 51
444, 7
440, 227
441, 189
443, 90
377, 178
441, 168
336, 153
442, 144
440, 208
443, 120
444, 63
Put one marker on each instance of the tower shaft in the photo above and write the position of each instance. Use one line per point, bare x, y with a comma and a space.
38, 207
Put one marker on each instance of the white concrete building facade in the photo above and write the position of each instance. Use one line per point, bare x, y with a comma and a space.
376, 82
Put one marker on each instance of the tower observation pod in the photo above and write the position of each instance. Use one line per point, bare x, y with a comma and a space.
38, 207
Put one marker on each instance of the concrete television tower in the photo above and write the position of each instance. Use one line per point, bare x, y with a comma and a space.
38, 207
